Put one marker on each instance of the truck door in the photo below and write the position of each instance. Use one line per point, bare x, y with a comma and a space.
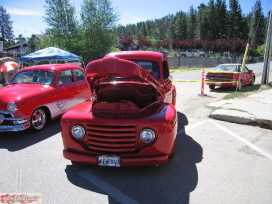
167, 83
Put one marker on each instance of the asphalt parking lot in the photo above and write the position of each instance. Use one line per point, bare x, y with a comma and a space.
214, 162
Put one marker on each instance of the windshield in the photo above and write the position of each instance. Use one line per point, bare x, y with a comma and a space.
227, 68
33, 76
151, 66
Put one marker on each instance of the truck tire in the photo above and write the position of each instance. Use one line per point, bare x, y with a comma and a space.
211, 87
252, 81
239, 86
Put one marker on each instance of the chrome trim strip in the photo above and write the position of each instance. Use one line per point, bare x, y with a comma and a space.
6, 112
14, 128
56, 108
15, 119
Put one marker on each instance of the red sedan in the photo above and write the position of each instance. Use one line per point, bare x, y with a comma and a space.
39, 94
230, 75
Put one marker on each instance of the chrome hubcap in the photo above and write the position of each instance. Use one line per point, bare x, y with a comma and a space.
38, 119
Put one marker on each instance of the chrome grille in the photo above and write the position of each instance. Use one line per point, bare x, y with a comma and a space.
220, 77
111, 138
6, 114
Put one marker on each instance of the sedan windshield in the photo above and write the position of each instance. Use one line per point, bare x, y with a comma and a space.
33, 76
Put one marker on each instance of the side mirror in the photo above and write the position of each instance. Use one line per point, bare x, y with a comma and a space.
250, 71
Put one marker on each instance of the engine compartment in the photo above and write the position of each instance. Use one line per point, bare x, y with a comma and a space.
139, 94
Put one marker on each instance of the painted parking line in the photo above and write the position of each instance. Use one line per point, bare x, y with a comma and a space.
122, 198
108, 189
181, 131
251, 145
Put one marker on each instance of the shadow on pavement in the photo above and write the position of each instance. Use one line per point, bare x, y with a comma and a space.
14, 141
168, 183
223, 89
246, 88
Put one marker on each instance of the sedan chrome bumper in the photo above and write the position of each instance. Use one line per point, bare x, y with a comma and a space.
8, 123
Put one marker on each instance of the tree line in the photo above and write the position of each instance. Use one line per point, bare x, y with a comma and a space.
212, 27
92, 34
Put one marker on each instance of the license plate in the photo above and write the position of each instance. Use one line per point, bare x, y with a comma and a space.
113, 161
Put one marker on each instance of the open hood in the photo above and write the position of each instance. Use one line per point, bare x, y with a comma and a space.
116, 68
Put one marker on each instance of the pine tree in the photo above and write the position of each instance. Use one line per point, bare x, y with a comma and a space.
180, 29
143, 29
235, 20
257, 24
160, 29
6, 26
203, 22
221, 19
212, 17
192, 22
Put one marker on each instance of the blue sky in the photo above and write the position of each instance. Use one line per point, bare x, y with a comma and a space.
27, 15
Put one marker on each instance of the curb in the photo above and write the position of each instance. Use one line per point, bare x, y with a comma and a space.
240, 118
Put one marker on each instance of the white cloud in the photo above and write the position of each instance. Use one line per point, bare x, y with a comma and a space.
126, 18
23, 12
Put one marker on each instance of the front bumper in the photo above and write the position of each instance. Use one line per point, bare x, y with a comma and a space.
221, 83
8, 123
125, 161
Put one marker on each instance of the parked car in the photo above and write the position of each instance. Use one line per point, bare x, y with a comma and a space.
192, 53
230, 75
39, 94
131, 119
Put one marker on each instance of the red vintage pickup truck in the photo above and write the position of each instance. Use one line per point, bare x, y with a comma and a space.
131, 118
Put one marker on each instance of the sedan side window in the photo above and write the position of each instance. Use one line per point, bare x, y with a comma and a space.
65, 77
79, 75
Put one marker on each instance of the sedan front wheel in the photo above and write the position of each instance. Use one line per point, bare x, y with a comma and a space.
38, 119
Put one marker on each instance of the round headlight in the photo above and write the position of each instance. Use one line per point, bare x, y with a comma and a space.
147, 135
12, 107
78, 131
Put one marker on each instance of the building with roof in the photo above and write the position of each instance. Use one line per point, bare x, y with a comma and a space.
22, 47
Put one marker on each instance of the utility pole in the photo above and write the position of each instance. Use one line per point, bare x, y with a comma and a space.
21, 38
267, 55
